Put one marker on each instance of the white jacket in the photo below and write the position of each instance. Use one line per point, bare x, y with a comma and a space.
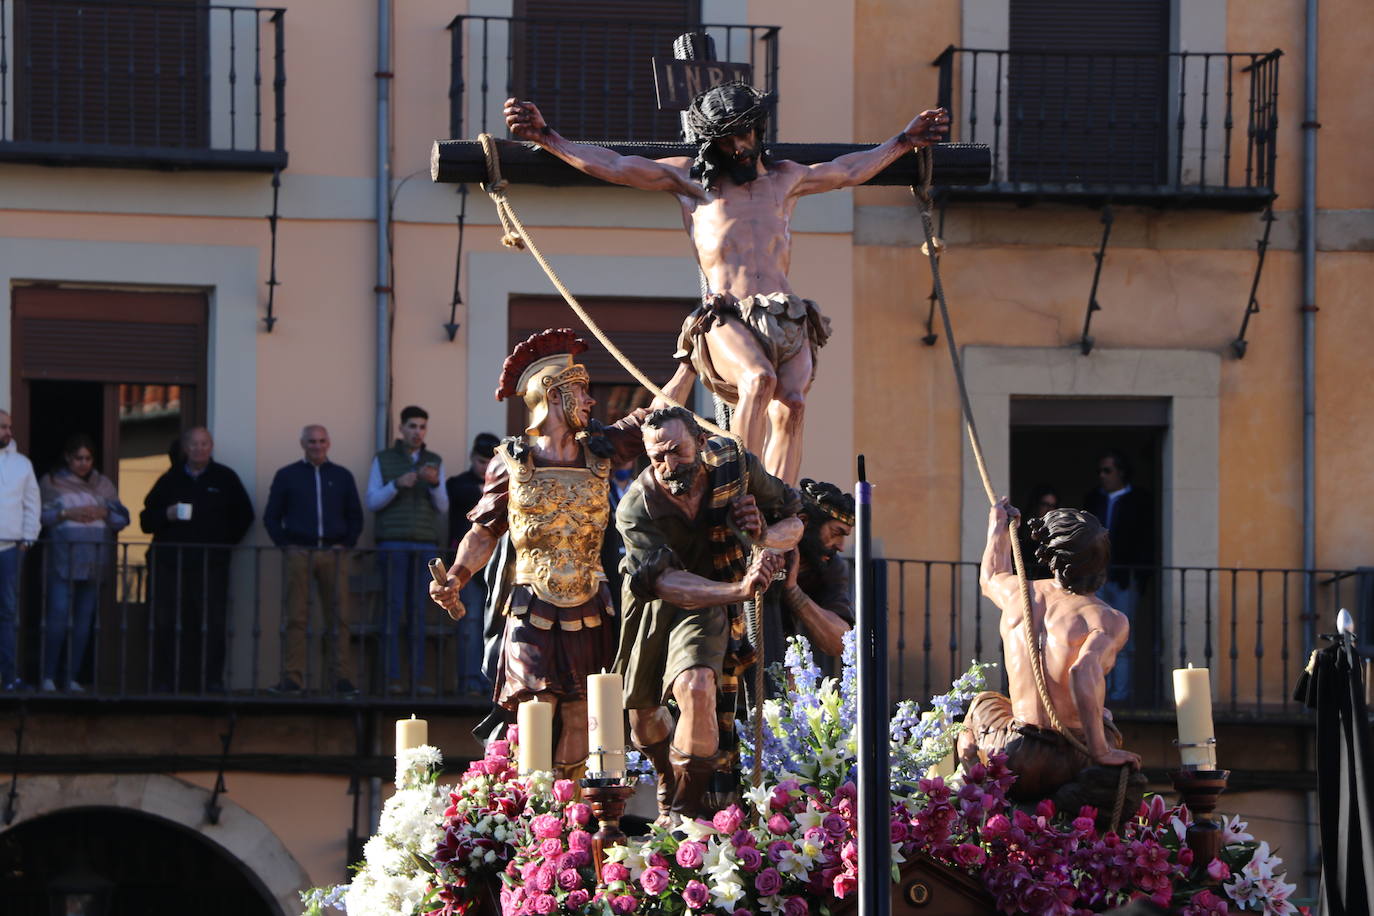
19, 505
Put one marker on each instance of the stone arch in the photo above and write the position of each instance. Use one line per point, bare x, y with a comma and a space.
238, 834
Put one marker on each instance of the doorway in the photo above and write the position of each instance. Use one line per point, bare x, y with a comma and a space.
117, 862
1055, 445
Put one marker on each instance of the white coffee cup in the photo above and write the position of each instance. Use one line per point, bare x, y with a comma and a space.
183, 512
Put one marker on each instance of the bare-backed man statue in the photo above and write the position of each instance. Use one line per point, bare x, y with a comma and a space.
1080, 637
753, 340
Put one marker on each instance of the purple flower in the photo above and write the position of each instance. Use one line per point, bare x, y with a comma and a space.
776, 849
695, 895
624, 904
577, 899
749, 858
654, 880
969, 854
741, 838
569, 879
834, 824
544, 903
768, 882
689, 855
795, 906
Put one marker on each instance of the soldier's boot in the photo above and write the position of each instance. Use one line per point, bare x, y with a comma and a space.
693, 776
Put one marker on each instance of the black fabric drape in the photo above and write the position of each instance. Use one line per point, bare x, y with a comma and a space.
1333, 685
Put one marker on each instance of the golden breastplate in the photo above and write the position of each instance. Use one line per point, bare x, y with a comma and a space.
557, 517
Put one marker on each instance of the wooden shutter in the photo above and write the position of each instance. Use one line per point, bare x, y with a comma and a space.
1097, 114
645, 330
109, 336
101, 72
588, 64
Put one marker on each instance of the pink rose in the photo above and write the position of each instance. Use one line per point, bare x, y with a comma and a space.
898, 831
580, 840
695, 895
1045, 809
564, 790
544, 903
577, 899
513, 734
624, 904
768, 882
727, 821
499, 748
742, 912
1218, 870
845, 884
544, 879
749, 858
547, 826
579, 813
689, 855
996, 826
659, 860
969, 854
654, 880
614, 871
551, 848
795, 906
779, 824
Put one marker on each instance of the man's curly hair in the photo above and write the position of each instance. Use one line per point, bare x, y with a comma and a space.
723, 111
1074, 545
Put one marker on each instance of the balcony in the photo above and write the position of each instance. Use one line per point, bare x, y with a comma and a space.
593, 79
144, 84
1168, 129
150, 650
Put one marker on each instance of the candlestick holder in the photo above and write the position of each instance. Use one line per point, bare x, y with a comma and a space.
1199, 790
607, 797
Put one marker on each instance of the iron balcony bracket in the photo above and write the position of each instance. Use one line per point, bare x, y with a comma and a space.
452, 326
270, 320
1085, 343
212, 808
1239, 345
12, 800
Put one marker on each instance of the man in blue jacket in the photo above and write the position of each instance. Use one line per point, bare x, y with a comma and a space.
313, 511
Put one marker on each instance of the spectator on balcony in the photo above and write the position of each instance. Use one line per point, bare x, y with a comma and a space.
195, 512
313, 511
18, 529
82, 512
1041, 499
1127, 512
464, 490
405, 489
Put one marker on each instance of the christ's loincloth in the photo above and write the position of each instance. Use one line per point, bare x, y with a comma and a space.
782, 323
1042, 759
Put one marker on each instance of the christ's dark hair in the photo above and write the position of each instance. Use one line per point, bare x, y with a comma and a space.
1074, 545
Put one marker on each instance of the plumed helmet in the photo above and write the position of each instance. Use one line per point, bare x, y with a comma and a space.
541, 366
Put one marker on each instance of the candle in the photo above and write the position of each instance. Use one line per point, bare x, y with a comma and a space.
1193, 696
535, 719
410, 733
606, 724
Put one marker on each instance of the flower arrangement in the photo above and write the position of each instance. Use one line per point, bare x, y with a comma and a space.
789, 846
395, 876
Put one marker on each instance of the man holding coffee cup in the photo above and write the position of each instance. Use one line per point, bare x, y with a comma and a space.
195, 512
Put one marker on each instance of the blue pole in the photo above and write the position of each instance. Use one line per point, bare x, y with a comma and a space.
875, 849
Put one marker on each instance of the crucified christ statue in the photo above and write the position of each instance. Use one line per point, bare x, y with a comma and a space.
752, 341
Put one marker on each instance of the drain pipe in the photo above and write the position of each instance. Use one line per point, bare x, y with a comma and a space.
1309, 385
382, 288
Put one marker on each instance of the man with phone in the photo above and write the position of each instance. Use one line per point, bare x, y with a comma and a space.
405, 487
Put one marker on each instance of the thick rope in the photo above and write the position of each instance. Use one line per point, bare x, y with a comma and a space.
1028, 628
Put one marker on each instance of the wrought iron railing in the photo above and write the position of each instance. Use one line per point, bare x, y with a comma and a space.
136, 82
1072, 123
592, 78
185, 622
1245, 624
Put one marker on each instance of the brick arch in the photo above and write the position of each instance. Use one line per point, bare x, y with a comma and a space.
239, 834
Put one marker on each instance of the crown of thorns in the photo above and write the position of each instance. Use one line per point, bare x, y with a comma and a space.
828, 499
728, 109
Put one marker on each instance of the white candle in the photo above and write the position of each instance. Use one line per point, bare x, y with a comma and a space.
606, 724
535, 720
410, 733
1193, 697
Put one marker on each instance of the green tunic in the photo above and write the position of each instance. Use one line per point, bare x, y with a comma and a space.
658, 639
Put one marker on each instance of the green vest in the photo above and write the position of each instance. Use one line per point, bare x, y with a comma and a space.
411, 516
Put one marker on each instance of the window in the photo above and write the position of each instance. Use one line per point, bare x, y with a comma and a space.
101, 72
